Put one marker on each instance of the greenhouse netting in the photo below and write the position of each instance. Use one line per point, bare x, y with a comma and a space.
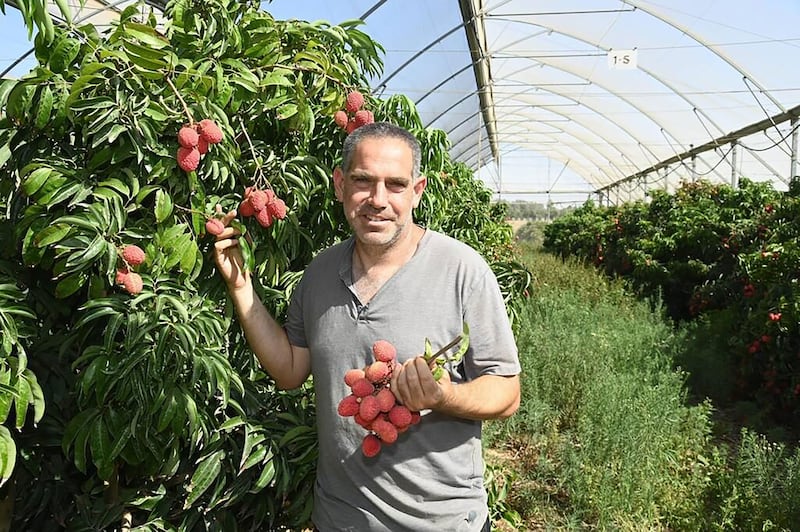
581, 99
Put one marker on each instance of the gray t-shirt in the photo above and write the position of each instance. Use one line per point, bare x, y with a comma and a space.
431, 478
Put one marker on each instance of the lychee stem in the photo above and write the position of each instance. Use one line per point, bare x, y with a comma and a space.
180, 99
258, 177
431, 360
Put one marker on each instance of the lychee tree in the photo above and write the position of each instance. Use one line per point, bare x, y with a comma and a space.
158, 415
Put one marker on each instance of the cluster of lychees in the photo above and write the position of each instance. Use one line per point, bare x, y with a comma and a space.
353, 116
372, 404
132, 255
194, 140
263, 204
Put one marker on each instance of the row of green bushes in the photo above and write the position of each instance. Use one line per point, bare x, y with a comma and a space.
605, 437
712, 253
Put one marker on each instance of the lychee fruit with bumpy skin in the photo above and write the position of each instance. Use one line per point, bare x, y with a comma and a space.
258, 199
202, 146
188, 159
188, 137
133, 254
363, 117
386, 399
385, 430
121, 274
354, 101
348, 406
377, 372
400, 416
210, 131
264, 218
353, 375
369, 408
214, 226
361, 421
362, 387
277, 208
246, 208
133, 283
371, 445
341, 118
384, 351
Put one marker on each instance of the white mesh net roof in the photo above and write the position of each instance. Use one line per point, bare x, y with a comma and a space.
562, 101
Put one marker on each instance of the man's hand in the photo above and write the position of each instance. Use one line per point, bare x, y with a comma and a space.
414, 386
228, 256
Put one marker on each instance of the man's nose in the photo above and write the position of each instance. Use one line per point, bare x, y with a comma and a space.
378, 195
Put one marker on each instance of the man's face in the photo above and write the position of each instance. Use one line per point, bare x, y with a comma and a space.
378, 193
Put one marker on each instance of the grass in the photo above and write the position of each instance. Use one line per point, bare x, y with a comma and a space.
607, 437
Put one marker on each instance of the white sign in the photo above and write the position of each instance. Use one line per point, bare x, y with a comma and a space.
622, 59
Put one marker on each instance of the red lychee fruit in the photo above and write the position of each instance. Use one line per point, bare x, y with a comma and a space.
351, 126
188, 137
369, 408
400, 416
258, 199
188, 159
386, 399
348, 406
122, 273
354, 101
353, 375
210, 131
362, 388
133, 254
378, 371
133, 283
415, 418
361, 421
384, 351
385, 430
202, 146
371, 445
246, 208
340, 117
214, 226
363, 117
277, 208
264, 218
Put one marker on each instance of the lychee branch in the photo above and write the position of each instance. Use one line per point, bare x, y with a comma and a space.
258, 177
435, 361
180, 99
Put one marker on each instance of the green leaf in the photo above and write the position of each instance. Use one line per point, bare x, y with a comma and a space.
44, 107
70, 284
21, 402
168, 411
100, 444
163, 207
145, 34
64, 54
207, 472
36, 179
51, 234
37, 396
8, 454
266, 476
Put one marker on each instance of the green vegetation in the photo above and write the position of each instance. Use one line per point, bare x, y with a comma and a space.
608, 435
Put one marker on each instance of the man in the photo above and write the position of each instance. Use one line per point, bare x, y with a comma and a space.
391, 280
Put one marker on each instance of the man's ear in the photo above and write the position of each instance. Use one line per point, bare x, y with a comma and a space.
419, 186
338, 178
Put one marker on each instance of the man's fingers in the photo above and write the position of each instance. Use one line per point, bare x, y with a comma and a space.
222, 245
228, 217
